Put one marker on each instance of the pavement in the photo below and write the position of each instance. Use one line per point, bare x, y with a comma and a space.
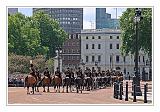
17, 95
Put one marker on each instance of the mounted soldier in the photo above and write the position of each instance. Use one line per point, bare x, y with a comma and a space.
58, 73
47, 74
68, 73
88, 72
79, 73
32, 71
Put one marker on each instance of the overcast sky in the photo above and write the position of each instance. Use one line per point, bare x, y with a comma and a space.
88, 15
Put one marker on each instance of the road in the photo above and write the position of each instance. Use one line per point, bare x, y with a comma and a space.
17, 95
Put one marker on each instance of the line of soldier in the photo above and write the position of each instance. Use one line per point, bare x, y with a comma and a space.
70, 74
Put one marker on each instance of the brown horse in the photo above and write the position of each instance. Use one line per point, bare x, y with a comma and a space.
46, 82
30, 81
57, 83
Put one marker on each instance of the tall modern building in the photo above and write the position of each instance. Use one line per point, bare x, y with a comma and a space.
104, 20
12, 10
71, 20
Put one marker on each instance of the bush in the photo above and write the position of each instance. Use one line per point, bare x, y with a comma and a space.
21, 64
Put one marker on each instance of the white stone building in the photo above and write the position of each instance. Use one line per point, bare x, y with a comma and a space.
103, 46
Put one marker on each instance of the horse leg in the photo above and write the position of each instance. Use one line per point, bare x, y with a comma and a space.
59, 88
63, 89
67, 88
77, 87
54, 87
33, 89
70, 88
48, 89
37, 89
27, 89
44, 89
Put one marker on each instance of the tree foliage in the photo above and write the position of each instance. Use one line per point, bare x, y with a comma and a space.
127, 26
35, 35
20, 63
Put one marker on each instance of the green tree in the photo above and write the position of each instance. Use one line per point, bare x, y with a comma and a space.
35, 35
51, 34
127, 26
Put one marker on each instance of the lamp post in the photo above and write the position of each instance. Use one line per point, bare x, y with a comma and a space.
82, 63
59, 51
136, 78
96, 64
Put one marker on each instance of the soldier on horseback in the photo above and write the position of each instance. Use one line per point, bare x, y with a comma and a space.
32, 72
47, 74
88, 72
58, 73
79, 73
68, 73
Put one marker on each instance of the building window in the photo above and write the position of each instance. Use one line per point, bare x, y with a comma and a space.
86, 46
99, 37
86, 37
117, 59
87, 58
117, 46
92, 58
139, 58
92, 37
110, 46
99, 58
117, 37
92, 46
110, 37
99, 46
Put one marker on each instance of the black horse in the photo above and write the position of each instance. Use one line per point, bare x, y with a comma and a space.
79, 84
67, 83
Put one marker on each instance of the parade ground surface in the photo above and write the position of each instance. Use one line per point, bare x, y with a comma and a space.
17, 95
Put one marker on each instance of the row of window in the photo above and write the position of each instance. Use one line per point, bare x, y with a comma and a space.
71, 57
68, 22
71, 51
93, 58
99, 37
117, 59
99, 46
71, 44
67, 18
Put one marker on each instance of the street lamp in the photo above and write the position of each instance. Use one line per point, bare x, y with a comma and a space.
58, 51
82, 63
136, 78
96, 64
